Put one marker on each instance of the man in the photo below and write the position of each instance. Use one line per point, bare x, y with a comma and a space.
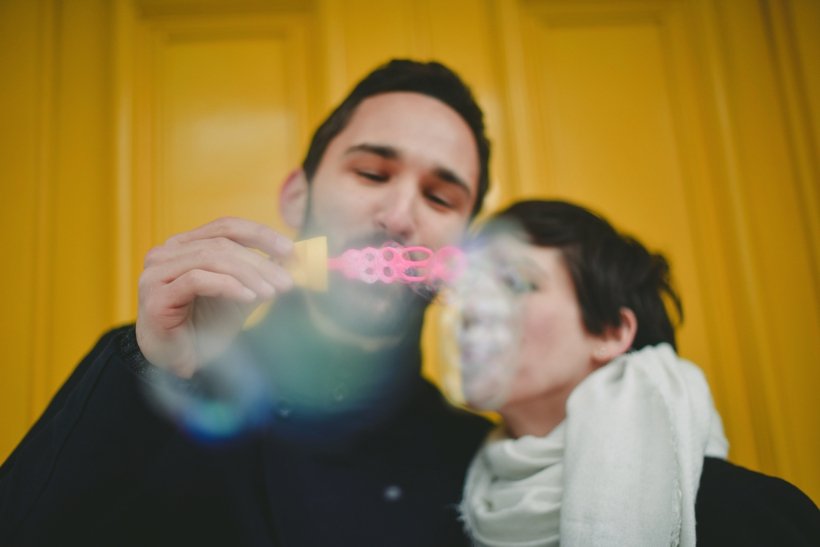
361, 451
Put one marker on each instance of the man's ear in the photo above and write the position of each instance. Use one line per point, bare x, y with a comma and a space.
617, 340
293, 198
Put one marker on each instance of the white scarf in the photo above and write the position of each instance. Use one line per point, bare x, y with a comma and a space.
622, 469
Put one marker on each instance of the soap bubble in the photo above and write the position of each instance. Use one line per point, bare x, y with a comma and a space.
222, 400
243, 390
481, 332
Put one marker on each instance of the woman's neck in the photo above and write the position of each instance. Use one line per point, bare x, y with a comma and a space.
537, 416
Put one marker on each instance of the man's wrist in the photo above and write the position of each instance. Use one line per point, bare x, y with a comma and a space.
132, 354
143, 368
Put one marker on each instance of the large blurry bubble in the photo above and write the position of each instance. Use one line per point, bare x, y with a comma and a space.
235, 393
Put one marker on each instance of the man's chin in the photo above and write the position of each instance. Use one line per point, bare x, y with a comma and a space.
376, 310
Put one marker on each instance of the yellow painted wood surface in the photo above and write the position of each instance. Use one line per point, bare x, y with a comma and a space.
694, 124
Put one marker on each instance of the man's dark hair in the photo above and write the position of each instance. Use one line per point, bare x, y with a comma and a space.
609, 270
432, 79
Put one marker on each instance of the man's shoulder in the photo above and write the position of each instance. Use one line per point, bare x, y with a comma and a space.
438, 404
735, 504
721, 478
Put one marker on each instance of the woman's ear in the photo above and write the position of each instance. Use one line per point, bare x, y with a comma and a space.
293, 198
616, 340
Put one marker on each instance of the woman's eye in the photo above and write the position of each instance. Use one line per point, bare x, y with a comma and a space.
374, 176
515, 281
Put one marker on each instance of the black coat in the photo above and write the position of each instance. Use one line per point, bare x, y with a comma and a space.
102, 467
737, 506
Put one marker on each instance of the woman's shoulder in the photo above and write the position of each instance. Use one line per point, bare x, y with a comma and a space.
736, 505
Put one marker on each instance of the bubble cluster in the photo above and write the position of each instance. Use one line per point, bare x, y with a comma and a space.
480, 334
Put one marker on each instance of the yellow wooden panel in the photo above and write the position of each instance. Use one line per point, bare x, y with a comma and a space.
225, 131
56, 201
80, 303
372, 33
776, 272
800, 41
20, 111
796, 61
802, 19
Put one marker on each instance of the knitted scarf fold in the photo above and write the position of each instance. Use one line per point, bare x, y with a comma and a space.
622, 469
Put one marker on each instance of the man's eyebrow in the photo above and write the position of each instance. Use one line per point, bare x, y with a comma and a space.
386, 152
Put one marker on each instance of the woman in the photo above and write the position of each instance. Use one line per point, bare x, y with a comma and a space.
608, 437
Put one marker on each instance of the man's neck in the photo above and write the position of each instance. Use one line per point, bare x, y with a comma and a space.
368, 343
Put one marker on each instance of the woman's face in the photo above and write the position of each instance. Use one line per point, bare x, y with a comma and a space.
556, 352
552, 351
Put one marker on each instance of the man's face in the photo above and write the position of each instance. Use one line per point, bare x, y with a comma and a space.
405, 169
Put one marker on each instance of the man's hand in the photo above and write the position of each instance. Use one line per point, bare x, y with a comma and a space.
199, 287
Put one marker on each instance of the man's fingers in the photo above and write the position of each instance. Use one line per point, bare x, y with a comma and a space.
245, 232
219, 255
195, 283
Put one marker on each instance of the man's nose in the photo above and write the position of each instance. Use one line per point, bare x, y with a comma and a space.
397, 212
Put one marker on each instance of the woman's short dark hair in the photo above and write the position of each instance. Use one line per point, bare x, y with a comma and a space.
609, 270
432, 79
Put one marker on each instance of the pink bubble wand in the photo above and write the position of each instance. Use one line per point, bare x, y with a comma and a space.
413, 265
396, 264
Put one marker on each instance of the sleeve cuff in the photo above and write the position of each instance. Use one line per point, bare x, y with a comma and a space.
135, 361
